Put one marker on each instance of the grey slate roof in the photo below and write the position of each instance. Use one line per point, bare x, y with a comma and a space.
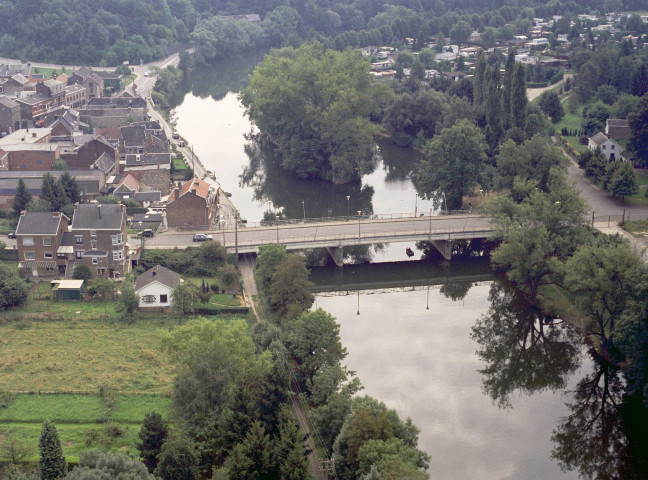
10, 70
133, 160
133, 135
157, 274
121, 102
83, 72
67, 240
7, 102
154, 196
104, 163
86, 217
147, 217
599, 138
38, 223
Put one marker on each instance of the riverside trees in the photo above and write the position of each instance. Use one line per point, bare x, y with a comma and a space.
316, 106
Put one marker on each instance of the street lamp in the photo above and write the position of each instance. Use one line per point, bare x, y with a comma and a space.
304, 209
430, 221
222, 225
348, 198
415, 205
359, 212
277, 217
445, 202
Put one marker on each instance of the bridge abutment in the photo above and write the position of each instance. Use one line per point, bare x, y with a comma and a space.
444, 247
337, 254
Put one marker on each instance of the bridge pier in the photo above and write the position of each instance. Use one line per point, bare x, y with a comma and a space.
337, 254
444, 247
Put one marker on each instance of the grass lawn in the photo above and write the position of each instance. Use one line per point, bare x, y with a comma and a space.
225, 300
179, 164
639, 228
7, 225
74, 353
48, 71
575, 144
571, 121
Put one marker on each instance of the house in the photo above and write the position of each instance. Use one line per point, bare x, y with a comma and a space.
54, 90
9, 115
446, 56
63, 121
193, 204
106, 165
127, 187
112, 82
100, 239
82, 151
92, 82
143, 221
145, 199
104, 112
90, 182
76, 96
9, 70
68, 289
38, 237
617, 128
611, 149
33, 106
154, 287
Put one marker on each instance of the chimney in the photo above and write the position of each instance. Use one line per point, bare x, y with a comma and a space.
99, 210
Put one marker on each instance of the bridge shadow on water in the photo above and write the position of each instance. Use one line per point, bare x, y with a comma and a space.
372, 276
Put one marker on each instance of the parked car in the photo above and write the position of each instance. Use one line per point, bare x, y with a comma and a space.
202, 237
11, 235
175, 135
148, 233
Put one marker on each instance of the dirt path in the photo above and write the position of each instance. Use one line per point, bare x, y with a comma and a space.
250, 292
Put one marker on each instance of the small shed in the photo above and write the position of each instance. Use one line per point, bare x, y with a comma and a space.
68, 289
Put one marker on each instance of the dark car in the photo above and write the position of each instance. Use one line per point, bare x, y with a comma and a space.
201, 237
148, 233
11, 235
175, 135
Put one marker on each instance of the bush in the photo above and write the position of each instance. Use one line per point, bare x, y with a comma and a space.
82, 272
114, 430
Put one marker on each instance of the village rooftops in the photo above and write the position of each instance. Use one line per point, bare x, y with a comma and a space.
39, 223
104, 163
116, 102
153, 196
199, 187
98, 217
8, 102
157, 274
137, 160
7, 70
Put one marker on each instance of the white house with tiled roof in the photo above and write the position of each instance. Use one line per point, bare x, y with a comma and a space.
611, 149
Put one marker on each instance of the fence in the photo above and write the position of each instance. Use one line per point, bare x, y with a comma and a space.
598, 220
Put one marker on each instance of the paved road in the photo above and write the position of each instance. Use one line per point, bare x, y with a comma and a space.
348, 232
533, 93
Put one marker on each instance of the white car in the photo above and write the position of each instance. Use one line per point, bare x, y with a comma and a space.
202, 237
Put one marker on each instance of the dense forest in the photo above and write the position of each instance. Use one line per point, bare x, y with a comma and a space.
110, 32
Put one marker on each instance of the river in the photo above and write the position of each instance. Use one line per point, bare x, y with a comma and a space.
485, 377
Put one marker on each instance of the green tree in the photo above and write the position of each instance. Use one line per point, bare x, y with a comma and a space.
623, 183
60, 164
184, 298
290, 287
70, 187
13, 290
460, 32
21, 198
152, 435
638, 121
453, 164
128, 301
313, 340
177, 460
104, 287
51, 463
315, 105
228, 274
47, 192
82, 272
518, 96
293, 464
254, 458
550, 104
266, 262
97, 465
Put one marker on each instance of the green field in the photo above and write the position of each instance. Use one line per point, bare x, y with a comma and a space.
48, 71
179, 164
74, 353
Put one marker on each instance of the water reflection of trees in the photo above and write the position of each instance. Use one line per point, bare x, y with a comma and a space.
321, 198
604, 435
523, 349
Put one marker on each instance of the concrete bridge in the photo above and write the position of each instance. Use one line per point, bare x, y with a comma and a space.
440, 230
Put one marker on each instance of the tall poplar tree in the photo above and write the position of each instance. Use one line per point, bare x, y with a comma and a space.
480, 79
518, 96
506, 90
51, 464
21, 198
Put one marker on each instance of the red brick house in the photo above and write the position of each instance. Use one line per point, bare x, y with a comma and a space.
38, 238
192, 205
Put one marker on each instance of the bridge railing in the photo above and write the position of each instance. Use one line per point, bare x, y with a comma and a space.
284, 237
351, 218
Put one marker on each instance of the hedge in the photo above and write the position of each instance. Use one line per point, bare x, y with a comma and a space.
204, 309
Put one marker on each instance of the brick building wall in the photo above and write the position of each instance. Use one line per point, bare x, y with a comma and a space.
188, 210
33, 159
88, 154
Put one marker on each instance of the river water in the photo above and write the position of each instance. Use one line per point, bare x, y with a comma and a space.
484, 377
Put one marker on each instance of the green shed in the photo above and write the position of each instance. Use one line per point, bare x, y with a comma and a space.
68, 289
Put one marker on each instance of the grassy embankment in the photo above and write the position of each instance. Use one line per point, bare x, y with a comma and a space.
78, 365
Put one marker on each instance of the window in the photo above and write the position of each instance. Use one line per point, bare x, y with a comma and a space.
164, 299
47, 241
101, 272
95, 261
48, 254
611, 147
78, 239
603, 147
79, 254
93, 244
148, 298
28, 241
118, 255
30, 256
93, 233
117, 239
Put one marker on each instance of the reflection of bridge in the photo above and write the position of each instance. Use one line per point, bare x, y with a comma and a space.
390, 275
440, 230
